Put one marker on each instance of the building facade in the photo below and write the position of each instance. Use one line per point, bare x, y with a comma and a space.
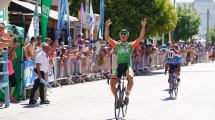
206, 9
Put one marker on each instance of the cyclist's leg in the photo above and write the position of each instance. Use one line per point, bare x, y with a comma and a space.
178, 70
129, 75
113, 82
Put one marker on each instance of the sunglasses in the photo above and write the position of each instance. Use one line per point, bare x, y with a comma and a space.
123, 33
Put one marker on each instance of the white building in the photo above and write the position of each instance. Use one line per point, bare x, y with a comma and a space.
202, 6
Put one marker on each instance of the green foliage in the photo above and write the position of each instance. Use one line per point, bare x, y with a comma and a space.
160, 14
212, 36
188, 23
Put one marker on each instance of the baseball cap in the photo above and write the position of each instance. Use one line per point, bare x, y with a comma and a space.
2, 25
45, 45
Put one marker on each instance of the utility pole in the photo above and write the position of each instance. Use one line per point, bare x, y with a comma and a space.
171, 34
207, 35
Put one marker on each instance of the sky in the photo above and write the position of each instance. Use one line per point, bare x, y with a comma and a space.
183, 0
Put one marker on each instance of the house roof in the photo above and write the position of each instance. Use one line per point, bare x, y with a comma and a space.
53, 14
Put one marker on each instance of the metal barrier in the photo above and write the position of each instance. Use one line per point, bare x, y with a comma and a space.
4, 79
84, 69
91, 68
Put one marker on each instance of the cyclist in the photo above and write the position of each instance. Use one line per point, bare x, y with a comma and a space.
123, 51
173, 62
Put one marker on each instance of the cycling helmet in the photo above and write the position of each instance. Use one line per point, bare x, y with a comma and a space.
171, 54
124, 31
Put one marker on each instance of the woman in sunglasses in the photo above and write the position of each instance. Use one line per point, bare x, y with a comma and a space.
123, 51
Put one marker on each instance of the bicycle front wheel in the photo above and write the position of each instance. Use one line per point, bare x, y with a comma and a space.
124, 107
117, 104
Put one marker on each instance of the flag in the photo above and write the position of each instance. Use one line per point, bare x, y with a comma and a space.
92, 22
87, 6
81, 17
36, 20
3, 15
68, 24
34, 26
61, 17
101, 28
46, 4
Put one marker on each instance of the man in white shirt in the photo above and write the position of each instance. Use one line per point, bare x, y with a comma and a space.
42, 66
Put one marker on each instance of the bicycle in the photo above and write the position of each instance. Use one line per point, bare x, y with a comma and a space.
121, 107
173, 85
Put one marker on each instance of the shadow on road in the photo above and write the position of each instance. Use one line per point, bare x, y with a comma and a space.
168, 99
115, 119
166, 90
150, 74
30, 106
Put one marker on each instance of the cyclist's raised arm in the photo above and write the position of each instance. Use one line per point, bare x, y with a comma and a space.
107, 35
135, 43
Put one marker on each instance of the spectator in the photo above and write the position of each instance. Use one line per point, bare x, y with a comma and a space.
29, 49
9, 42
63, 64
5, 39
38, 47
12, 77
42, 66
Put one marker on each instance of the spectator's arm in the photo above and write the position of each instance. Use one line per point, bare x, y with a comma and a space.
8, 39
38, 71
4, 45
12, 47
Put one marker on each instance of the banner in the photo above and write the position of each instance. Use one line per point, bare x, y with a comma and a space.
34, 26
76, 31
29, 74
51, 74
101, 28
61, 17
17, 65
68, 24
46, 4
86, 20
92, 20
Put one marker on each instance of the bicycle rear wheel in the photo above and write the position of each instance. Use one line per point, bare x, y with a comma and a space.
170, 90
176, 91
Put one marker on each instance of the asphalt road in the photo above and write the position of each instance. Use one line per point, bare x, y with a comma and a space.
149, 99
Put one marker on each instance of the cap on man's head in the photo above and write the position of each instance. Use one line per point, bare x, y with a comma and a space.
48, 39
39, 37
44, 45
2, 25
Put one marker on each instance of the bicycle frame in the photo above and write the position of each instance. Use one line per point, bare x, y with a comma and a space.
173, 84
120, 97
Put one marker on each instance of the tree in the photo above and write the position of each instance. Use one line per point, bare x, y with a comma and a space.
188, 23
127, 14
212, 36
161, 15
